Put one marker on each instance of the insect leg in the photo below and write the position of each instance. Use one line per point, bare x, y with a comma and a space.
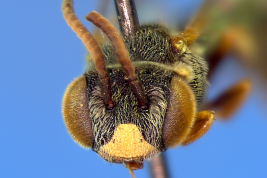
192, 30
228, 102
195, 26
203, 122
234, 40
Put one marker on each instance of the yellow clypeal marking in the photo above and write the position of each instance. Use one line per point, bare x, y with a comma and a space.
127, 144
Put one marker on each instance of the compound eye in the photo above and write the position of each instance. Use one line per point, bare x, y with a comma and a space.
76, 112
179, 44
180, 115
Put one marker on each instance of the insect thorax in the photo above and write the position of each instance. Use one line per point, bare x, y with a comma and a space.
152, 56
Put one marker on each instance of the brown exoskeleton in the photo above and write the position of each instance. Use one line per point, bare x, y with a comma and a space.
141, 94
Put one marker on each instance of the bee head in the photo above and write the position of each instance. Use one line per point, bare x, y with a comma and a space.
137, 100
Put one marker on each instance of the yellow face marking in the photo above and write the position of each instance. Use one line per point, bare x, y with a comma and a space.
127, 144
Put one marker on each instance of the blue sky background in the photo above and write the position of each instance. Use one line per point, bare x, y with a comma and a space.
40, 56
